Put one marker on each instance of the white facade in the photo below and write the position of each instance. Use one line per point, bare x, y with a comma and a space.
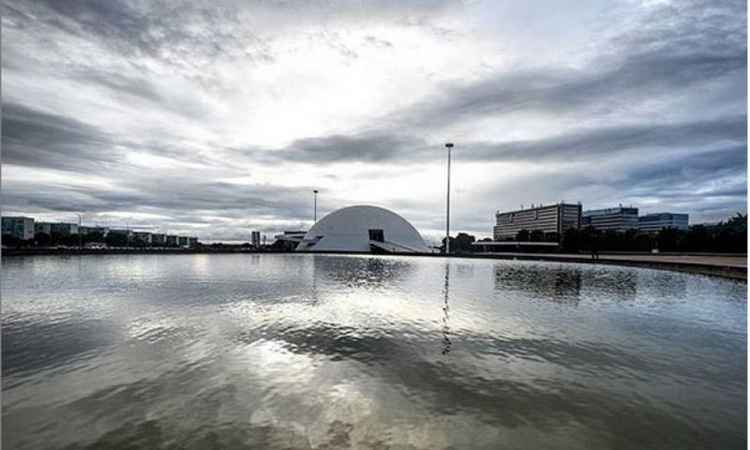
362, 228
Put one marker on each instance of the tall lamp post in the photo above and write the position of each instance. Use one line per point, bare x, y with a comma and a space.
449, 146
315, 206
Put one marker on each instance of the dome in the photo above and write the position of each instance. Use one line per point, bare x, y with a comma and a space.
363, 229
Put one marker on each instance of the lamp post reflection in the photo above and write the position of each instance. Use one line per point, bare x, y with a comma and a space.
446, 309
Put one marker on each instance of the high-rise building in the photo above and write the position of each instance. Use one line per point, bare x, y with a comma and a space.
255, 238
18, 227
617, 219
652, 223
548, 219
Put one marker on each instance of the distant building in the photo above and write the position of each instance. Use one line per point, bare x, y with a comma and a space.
652, 223
616, 219
255, 238
288, 240
63, 228
18, 227
192, 241
158, 239
42, 227
548, 219
171, 240
143, 237
183, 241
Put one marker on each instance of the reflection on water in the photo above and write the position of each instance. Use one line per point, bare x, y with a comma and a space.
446, 329
313, 351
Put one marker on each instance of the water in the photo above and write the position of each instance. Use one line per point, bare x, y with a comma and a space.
303, 351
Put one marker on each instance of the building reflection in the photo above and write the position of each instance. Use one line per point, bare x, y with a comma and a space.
569, 284
367, 272
559, 285
611, 284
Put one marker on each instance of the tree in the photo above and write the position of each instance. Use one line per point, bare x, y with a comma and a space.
552, 237
11, 241
43, 239
571, 241
536, 236
667, 239
94, 236
461, 243
116, 240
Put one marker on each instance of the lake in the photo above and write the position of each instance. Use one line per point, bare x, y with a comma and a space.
321, 351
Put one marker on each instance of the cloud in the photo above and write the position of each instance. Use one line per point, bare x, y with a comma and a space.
38, 139
221, 118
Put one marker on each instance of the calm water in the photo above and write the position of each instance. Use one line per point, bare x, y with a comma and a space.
303, 351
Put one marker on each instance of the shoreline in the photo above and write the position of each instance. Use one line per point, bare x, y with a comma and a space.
731, 266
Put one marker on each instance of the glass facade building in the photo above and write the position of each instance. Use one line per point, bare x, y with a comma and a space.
616, 219
651, 223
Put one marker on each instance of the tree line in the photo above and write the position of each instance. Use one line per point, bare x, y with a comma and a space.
728, 236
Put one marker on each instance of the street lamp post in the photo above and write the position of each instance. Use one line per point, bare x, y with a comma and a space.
315, 206
449, 146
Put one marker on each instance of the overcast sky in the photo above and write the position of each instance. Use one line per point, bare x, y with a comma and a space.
217, 118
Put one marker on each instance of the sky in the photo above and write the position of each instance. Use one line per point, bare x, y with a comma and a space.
219, 118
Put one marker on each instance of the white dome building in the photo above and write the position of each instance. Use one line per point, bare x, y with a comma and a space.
363, 229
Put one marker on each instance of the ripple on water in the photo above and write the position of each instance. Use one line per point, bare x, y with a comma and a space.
312, 351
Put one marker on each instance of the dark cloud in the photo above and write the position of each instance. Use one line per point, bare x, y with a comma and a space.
34, 138
582, 144
368, 147
554, 92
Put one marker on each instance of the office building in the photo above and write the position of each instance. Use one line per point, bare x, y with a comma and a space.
288, 240
42, 227
192, 241
652, 223
19, 227
63, 228
171, 240
255, 238
548, 219
183, 241
158, 239
611, 219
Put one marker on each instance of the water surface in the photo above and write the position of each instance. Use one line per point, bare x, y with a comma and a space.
313, 351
